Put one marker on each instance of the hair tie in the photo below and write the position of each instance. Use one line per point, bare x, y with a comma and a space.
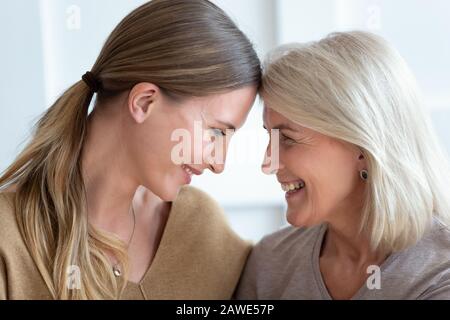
91, 81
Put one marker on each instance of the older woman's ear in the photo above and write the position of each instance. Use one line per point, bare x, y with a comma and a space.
363, 172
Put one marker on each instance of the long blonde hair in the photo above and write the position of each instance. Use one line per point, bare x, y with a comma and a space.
355, 87
187, 48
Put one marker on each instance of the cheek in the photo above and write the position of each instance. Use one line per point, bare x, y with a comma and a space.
334, 178
207, 148
154, 161
159, 173
328, 172
153, 153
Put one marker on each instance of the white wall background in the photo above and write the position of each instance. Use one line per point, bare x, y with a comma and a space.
48, 44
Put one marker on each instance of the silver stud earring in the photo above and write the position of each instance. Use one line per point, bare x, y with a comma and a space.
364, 174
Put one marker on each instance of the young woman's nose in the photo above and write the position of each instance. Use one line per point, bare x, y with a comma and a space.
217, 168
216, 163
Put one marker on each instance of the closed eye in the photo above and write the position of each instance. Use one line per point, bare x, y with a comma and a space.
218, 132
287, 140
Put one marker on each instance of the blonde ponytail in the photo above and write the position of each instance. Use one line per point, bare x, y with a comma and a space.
50, 203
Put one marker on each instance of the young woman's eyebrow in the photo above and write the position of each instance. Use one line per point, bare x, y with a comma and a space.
227, 124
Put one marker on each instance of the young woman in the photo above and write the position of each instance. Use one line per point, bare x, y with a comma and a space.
366, 183
96, 207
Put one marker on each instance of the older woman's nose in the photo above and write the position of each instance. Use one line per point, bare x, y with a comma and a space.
271, 163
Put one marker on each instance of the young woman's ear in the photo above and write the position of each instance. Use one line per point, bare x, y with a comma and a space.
141, 101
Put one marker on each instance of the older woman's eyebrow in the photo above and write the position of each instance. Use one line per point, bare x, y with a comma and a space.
282, 127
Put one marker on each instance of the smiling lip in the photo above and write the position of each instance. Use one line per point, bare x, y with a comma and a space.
188, 172
293, 189
293, 185
194, 171
187, 177
295, 193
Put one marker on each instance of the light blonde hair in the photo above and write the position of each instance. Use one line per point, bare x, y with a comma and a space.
355, 87
187, 48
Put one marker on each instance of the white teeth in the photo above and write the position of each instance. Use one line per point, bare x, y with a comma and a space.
292, 186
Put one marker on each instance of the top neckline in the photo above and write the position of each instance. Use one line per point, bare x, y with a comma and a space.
163, 244
315, 259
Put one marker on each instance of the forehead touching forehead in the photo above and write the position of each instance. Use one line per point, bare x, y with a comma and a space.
230, 108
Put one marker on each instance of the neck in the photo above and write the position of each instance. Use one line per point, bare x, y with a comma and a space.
110, 183
345, 241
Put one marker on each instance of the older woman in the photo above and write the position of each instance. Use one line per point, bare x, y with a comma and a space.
367, 184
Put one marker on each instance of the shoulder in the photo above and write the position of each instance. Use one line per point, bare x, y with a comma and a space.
213, 255
6, 203
12, 245
18, 268
199, 210
442, 231
193, 198
8, 225
428, 260
435, 244
434, 248
205, 220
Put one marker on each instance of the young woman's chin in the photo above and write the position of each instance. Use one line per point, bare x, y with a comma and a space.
170, 190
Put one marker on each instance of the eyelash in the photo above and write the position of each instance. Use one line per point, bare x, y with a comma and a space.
218, 132
285, 139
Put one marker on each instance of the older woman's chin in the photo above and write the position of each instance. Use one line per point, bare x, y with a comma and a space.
295, 218
298, 218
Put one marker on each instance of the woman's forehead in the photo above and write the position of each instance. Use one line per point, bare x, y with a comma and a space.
274, 120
